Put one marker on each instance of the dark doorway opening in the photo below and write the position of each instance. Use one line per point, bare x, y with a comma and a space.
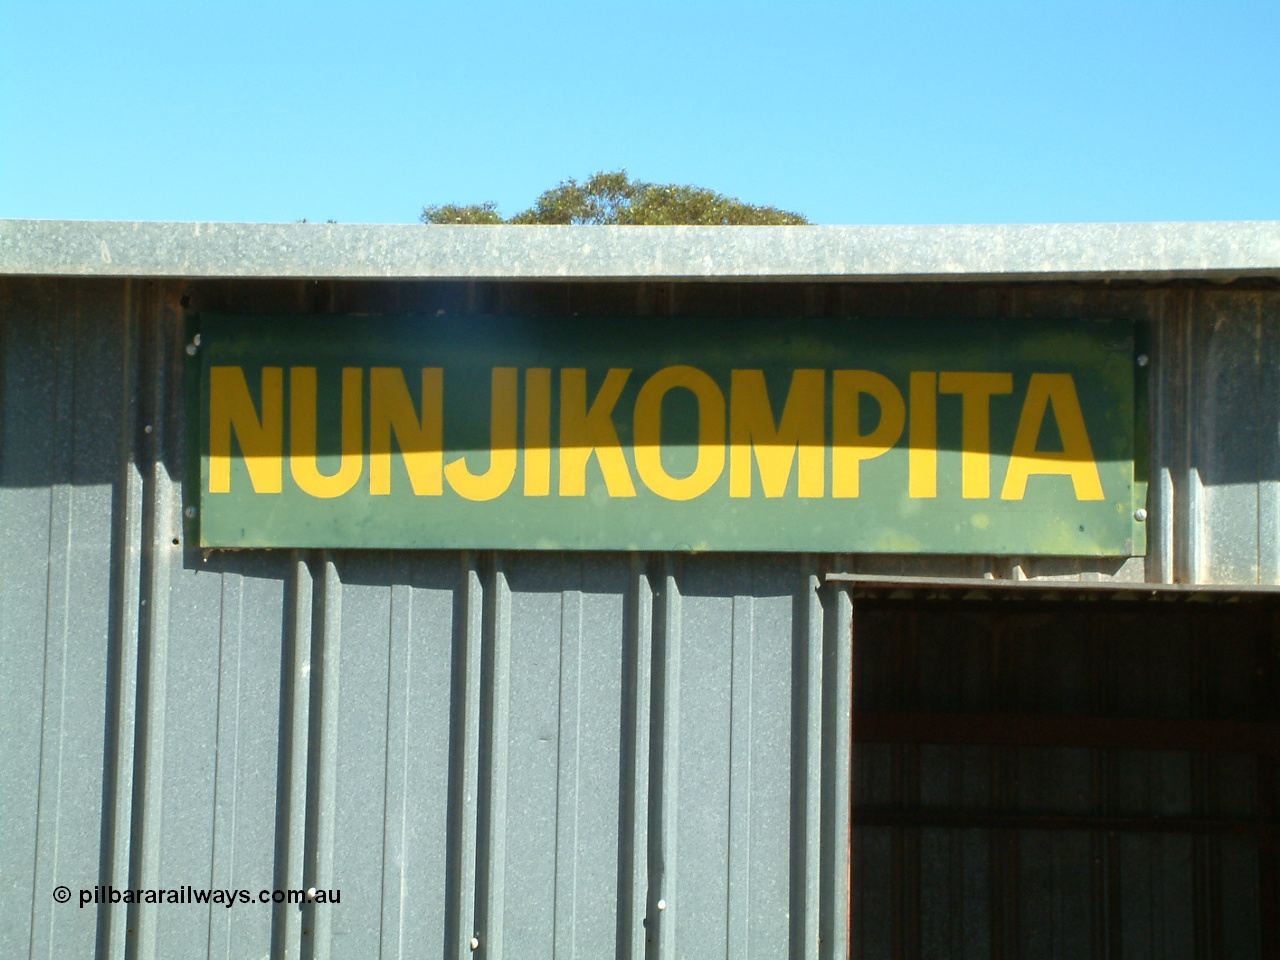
1065, 778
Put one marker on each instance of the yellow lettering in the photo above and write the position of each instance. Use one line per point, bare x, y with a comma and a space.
849, 446
803, 429
648, 436
502, 445
1075, 460
261, 441
302, 433
585, 432
922, 437
976, 390
537, 432
421, 440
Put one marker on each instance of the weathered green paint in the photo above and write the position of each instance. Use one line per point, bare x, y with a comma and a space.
883, 518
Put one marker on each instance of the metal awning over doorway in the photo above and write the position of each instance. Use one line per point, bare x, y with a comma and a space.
952, 588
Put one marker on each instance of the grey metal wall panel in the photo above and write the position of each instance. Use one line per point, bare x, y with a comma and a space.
388, 653
1233, 434
463, 745
414, 850
57, 517
244, 826
178, 805
736, 788
554, 853
353, 731
535, 749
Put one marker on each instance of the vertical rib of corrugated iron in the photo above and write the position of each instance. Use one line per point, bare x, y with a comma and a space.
122, 641
836, 771
291, 765
1177, 454
663, 757
634, 786
1191, 515
495, 707
398, 836
808, 685
1165, 362
739, 768
1269, 442
574, 753
161, 498
465, 769
322, 742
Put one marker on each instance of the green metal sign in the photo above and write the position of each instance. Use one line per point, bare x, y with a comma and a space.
984, 437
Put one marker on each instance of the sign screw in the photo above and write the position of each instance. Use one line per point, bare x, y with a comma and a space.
311, 894
662, 904
1140, 515
189, 513
1142, 360
475, 943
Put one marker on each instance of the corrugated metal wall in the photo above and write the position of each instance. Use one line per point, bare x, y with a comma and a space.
533, 749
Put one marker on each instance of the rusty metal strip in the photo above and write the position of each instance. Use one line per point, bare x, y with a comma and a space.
1029, 730
965, 820
1129, 590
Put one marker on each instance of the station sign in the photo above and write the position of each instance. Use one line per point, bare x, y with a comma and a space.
640, 433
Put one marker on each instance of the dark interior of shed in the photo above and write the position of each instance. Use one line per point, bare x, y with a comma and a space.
1086, 777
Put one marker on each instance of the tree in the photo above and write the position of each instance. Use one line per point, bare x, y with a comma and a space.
614, 198
454, 213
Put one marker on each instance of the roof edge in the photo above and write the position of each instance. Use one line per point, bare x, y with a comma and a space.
1142, 251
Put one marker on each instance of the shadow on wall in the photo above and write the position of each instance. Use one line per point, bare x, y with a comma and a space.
92, 371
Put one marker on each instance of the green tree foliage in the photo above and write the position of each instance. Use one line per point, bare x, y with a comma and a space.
614, 198
455, 213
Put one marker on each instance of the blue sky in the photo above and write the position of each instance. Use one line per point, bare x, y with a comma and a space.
848, 112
